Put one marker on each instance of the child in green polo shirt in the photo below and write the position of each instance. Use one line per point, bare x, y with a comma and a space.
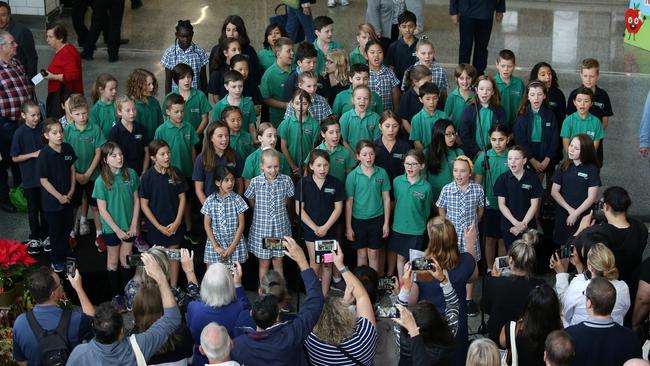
240, 140
359, 75
141, 86
85, 138
233, 81
323, 27
511, 88
104, 91
359, 123
581, 121
267, 136
196, 103
422, 123
460, 97
294, 147
272, 33
365, 32
272, 83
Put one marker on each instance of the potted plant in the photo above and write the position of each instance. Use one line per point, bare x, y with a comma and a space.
14, 263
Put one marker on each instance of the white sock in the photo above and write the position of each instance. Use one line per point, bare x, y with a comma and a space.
98, 232
72, 234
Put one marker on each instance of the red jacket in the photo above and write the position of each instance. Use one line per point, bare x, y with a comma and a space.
67, 62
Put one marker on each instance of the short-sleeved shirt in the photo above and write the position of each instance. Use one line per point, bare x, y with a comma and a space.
319, 108
272, 87
460, 208
413, 203
498, 165
291, 129
422, 126
511, 95
162, 193
133, 144
55, 166
224, 214
455, 106
401, 56
438, 75
590, 126
361, 345
242, 142
149, 115
392, 161
194, 56
601, 105
207, 176
103, 115
382, 82
355, 128
252, 165
341, 160
266, 57
27, 140
196, 105
409, 105
343, 102
575, 182
119, 199
356, 57
319, 202
445, 172
518, 193
367, 192
320, 61
251, 87
246, 107
181, 142
84, 143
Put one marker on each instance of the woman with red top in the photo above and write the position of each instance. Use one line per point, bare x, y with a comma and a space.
64, 69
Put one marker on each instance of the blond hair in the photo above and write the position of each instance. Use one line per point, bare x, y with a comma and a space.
483, 352
336, 322
602, 261
442, 242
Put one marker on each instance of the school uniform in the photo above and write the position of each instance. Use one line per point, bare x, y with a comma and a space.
355, 128
133, 144
319, 203
392, 161
246, 107
455, 106
498, 166
511, 94
590, 125
270, 216
320, 60
291, 85
409, 105
55, 167
461, 209
469, 131
319, 108
601, 104
200, 174
272, 87
422, 126
367, 206
401, 56
341, 160
557, 104
343, 102
413, 203
27, 140
103, 115
84, 143
438, 75
194, 56
444, 175
242, 142
252, 165
162, 193
247, 50
537, 132
574, 186
196, 105
224, 214
181, 142
382, 82
518, 194
356, 57
266, 56
291, 131
119, 203
149, 115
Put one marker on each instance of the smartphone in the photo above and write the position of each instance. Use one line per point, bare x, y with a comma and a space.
70, 266
324, 257
422, 264
422, 276
386, 284
273, 244
564, 252
173, 254
43, 72
388, 312
325, 245
502, 262
134, 260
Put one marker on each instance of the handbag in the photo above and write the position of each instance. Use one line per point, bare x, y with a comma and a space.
512, 352
139, 357
280, 18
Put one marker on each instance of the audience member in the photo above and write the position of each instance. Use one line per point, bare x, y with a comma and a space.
216, 345
558, 349
26, 52
483, 352
64, 72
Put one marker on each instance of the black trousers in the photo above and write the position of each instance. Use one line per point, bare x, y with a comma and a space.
59, 225
107, 18
474, 34
79, 8
7, 130
36, 216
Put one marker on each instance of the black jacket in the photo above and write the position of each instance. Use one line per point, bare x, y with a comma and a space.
523, 129
468, 127
26, 52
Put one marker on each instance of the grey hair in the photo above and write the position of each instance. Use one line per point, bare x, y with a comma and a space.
483, 352
215, 341
161, 257
218, 287
3, 34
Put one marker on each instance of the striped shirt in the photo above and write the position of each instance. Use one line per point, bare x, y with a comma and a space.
361, 346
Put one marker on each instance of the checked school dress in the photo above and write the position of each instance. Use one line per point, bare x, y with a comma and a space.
224, 212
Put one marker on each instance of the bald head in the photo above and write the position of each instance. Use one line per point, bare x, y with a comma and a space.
636, 362
215, 343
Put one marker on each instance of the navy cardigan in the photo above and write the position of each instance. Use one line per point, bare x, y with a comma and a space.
468, 127
523, 129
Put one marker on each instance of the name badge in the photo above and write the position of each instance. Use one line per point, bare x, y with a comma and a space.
194, 110
418, 195
515, 92
329, 190
170, 181
340, 160
398, 156
583, 175
548, 124
526, 186
599, 105
308, 131
138, 137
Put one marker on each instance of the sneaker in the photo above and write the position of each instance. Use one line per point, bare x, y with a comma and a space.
72, 242
331, 3
47, 246
119, 303
190, 239
84, 228
345, 2
99, 243
472, 308
141, 244
58, 267
34, 247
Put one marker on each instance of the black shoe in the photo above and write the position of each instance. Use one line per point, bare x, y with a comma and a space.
7, 207
113, 58
472, 308
136, 4
124, 41
86, 55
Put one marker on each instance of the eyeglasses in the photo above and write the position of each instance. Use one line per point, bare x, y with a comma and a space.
12, 43
451, 134
411, 165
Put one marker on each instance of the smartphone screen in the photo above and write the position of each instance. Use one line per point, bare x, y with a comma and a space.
273, 244
134, 260
70, 266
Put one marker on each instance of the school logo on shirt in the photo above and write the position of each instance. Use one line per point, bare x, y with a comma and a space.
138, 136
398, 156
583, 175
552, 104
329, 190
194, 110
187, 136
418, 195
67, 158
127, 182
340, 160
370, 127
170, 181
591, 133
527, 186
515, 92
308, 131
380, 181
88, 139
599, 105
548, 124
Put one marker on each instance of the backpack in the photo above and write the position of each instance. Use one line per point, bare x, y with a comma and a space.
53, 346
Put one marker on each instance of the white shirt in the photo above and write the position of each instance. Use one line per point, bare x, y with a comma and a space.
227, 363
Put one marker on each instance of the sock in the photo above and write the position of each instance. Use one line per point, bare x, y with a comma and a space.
114, 282
98, 232
336, 279
82, 219
72, 234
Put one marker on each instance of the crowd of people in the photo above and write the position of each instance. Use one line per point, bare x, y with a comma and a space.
371, 152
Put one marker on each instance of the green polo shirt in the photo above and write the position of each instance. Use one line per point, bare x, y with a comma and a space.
181, 141
412, 205
455, 106
196, 106
511, 95
84, 143
536, 133
320, 62
486, 115
341, 159
119, 199
104, 116
245, 106
355, 128
290, 130
422, 125
445, 173
367, 192
252, 165
574, 125
149, 115
356, 57
343, 102
272, 86
242, 142
266, 58
498, 166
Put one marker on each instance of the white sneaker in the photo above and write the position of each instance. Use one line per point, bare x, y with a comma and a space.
345, 2
34, 247
331, 3
84, 228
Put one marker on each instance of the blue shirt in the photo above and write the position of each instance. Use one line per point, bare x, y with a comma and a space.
401, 56
207, 177
27, 140
56, 168
644, 132
133, 144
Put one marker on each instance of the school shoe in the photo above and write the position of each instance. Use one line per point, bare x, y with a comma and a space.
472, 308
58, 267
345, 2
34, 247
99, 243
331, 3
119, 303
84, 228
47, 246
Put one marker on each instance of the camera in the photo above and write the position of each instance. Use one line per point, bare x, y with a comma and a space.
273, 244
323, 250
422, 264
134, 260
70, 266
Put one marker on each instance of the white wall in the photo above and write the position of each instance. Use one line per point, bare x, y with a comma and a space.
33, 7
